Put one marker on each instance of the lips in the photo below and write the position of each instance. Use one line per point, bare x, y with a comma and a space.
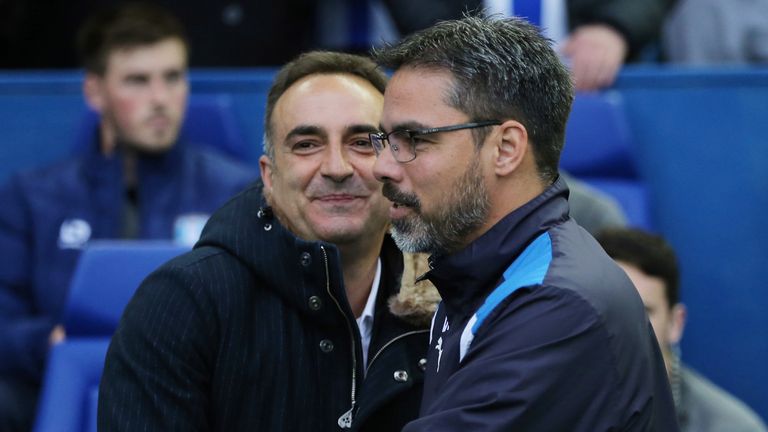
159, 121
337, 198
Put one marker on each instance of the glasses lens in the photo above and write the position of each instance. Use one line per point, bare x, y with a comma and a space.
377, 142
402, 148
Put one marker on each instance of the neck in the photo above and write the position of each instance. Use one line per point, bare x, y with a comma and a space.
358, 264
108, 145
508, 195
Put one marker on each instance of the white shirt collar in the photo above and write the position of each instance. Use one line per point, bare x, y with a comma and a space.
365, 321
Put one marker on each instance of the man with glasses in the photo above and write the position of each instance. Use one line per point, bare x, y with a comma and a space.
538, 329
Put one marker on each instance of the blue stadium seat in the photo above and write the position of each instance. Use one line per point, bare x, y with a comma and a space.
210, 121
106, 277
69, 397
598, 141
599, 150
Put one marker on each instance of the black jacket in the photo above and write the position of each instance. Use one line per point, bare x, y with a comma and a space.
252, 331
539, 330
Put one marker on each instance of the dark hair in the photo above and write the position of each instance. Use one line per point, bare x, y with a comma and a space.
317, 62
502, 69
648, 252
124, 26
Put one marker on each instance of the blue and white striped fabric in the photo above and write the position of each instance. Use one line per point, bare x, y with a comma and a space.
550, 15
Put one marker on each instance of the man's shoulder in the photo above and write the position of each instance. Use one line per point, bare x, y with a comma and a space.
705, 402
207, 264
60, 184
56, 174
580, 265
218, 164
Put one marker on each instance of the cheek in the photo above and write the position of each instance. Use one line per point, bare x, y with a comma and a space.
659, 327
126, 111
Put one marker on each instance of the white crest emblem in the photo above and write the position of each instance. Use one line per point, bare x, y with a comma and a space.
74, 234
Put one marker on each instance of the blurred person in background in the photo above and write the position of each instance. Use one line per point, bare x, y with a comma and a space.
596, 37
651, 264
717, 32
134, 181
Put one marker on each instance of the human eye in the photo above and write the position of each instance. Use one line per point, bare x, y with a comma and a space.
362, 144
136, 79
174, 76
420, 140
305, 147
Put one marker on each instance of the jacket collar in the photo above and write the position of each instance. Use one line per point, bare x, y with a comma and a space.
245, 226
465, 277
101, 169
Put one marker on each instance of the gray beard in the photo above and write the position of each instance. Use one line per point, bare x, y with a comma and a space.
466, 209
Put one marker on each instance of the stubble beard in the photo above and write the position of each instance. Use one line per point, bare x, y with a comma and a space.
466, 209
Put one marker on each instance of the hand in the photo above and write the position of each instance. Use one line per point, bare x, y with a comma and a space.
596, 53
58, 334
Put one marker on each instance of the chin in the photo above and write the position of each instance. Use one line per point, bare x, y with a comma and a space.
154, 149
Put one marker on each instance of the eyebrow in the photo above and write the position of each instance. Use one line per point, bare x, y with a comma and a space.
361, 128
303, 130
410, 125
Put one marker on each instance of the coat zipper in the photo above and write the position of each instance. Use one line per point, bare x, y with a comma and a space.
345, 421
373, 359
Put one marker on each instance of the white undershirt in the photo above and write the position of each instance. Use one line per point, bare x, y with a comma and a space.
365, 321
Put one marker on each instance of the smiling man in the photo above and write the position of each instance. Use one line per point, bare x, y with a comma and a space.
538, 330
281, 317
133, 181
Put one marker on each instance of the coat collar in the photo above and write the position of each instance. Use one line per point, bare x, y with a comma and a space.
246, 224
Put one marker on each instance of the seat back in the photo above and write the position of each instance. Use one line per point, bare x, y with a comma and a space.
598, 141
210, 121
600, 151
69, 396
105, 279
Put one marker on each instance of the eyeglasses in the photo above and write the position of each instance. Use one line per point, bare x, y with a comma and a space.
403, 142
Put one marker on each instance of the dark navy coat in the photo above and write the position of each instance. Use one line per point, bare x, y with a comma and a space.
252, 331
539, 330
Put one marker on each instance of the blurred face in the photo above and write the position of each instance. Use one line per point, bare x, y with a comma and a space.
439, 199
142, 96
667, 321
320, 182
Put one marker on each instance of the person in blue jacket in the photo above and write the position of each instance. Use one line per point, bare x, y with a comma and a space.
538, 329
134, 182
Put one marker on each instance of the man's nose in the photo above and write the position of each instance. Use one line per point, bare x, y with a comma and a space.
336, 165
386, 168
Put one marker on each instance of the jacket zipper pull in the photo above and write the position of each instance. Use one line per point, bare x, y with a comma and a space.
345, 421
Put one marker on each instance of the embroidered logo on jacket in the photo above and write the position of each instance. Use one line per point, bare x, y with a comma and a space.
74, 234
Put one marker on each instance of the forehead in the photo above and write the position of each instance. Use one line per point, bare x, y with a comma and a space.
420, 96
168, 53
329, 101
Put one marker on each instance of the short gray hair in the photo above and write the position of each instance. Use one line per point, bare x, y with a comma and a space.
503, 68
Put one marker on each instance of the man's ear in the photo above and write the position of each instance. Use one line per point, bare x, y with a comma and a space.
92, 89
511, 148
677, 324
265, 166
